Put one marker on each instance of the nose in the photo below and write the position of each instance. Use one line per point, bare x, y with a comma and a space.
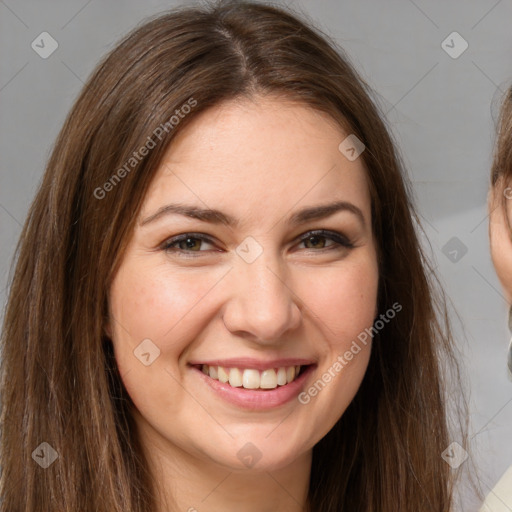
262, 306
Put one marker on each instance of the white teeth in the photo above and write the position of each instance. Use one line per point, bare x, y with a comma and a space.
268, 379
250, 378
281, 376
235, 378
290, 373
223, 375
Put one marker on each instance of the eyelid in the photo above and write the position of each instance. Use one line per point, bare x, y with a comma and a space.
340, 240
165, 245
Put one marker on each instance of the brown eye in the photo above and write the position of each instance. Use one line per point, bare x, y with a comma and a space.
187, 243
316, 239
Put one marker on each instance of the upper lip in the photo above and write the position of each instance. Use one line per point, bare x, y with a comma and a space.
257, 364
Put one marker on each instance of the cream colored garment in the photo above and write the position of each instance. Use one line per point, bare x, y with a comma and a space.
500, 498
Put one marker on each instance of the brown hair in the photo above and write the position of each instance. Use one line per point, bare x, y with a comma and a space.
60, 382
502, 162
501, 169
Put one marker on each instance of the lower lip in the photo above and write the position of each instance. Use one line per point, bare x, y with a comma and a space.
257, 400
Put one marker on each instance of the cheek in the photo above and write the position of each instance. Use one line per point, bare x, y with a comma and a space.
150, 303
503, 265
344, 299
163, 307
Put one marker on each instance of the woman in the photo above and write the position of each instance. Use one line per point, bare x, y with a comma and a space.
500, 234
220, 301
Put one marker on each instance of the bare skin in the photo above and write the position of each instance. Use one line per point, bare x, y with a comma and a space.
501, 234
259, 161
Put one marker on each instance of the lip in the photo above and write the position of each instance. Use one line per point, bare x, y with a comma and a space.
257, 400
256, 364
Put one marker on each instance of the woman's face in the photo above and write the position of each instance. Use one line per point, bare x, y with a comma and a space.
501, 235
250, 290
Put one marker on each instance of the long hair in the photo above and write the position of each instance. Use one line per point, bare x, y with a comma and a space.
60, 382
501, 169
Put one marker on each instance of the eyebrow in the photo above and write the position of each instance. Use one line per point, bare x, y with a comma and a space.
217, 217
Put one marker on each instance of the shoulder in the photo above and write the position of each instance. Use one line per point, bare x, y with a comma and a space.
499, 498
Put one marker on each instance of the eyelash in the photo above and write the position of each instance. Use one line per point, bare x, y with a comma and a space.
341, 242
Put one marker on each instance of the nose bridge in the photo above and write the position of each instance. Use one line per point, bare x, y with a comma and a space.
262, 303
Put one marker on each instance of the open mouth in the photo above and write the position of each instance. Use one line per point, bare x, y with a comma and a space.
250, 378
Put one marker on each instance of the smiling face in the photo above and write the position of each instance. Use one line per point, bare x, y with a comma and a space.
252, 288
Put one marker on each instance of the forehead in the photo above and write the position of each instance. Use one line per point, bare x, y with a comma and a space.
262, 154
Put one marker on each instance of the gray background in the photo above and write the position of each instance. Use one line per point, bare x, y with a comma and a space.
440, 109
